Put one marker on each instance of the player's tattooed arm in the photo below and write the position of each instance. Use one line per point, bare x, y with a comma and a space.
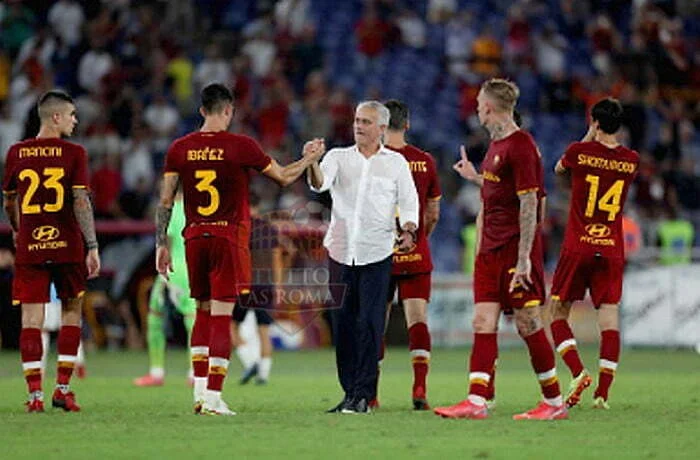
165, 208
528, 223
528, 226
82, 208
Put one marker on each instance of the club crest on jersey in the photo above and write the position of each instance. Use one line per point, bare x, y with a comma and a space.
45, 233
496, 159
598, 230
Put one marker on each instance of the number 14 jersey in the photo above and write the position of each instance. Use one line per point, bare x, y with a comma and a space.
43, 173
600, 179
213, 168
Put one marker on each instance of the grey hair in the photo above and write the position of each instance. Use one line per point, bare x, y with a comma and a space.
383, 113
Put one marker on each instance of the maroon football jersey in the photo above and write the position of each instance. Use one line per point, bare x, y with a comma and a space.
600, 179
424, 172
214, 173
512, 166
44, 172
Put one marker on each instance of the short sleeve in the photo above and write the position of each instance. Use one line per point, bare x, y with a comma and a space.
526, 164
568, 159
9, 180
80, 169
434, 192
253, 155
172, 160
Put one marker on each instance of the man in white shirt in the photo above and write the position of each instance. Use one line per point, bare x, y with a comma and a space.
368, 184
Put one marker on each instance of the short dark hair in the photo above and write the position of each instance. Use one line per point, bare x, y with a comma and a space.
517, 118
48, 101
608, 114
215, 96
398, 111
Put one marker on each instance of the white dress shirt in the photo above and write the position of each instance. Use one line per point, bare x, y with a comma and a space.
366, 193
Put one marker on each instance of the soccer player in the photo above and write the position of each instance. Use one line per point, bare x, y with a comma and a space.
592, 256
177, 290
509, 270
411, 268
47, 203
213, 166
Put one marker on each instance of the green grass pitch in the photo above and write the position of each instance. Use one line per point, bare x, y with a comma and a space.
655, 413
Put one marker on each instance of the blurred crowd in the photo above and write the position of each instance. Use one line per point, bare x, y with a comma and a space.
297, 68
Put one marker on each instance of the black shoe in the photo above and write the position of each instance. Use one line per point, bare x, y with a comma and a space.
260, 381
358, 406
337, 409
420, 404
251, 372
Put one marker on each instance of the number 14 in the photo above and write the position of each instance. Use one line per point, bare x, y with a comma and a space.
609, 202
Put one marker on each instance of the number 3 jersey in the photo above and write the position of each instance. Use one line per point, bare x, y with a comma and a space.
43, 173
213, 168
600, 179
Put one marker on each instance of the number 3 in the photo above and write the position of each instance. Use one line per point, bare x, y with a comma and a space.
609, 202
51, 182
207, 176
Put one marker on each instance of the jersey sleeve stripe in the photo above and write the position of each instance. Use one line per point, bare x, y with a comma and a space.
9, 192
435, 198
80, 186
269, 165
527, 190
170, 173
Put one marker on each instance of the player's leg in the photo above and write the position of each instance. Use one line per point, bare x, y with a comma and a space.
565, 344
481, 362
222, 256
527, 301
67, 348
530, 328
31, 350
487, 309
419, 348
415, 293
197, 274
606, 291
30, 288
608, 322
155, 336
219, 354
199, 349
571, 279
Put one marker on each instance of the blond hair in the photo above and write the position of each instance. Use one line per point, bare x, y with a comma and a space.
503, 93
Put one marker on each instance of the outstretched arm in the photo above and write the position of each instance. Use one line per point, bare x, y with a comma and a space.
286, 175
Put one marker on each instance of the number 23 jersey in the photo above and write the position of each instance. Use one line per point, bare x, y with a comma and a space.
600, 180
213, 168
43, 173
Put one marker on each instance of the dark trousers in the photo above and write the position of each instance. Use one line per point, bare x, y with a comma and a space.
358, 325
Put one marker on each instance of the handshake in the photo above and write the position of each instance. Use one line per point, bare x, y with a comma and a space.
314, 149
